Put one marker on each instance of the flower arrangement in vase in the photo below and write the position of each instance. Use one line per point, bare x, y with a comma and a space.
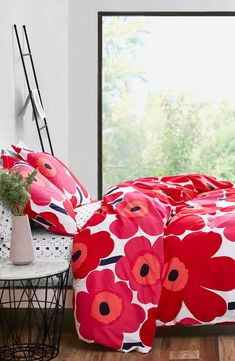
14, 193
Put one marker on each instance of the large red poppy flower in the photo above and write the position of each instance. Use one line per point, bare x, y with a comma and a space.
88, 249
106, 310
57, 173
141, 266
227, 222
190, 273
182, 222
41, 190
138, 210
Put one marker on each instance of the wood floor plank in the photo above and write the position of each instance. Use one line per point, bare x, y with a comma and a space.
226, 348
209, 348
71, 349
172, 348
184, 355
180, 348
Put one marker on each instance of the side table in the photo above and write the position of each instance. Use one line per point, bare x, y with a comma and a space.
31, 316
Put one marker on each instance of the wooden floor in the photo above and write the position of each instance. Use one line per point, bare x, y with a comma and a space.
166, 348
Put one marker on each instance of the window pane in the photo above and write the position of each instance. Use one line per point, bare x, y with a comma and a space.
168, 96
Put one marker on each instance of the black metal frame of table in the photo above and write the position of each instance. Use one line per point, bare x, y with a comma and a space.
31, 317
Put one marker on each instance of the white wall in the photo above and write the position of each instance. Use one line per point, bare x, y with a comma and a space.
48, 30
83, 71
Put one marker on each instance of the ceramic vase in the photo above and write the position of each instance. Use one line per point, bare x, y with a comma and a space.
21, 247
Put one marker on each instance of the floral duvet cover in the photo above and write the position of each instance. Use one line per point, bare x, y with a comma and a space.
159, 251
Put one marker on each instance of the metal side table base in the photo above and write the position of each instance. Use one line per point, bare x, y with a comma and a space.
31, 317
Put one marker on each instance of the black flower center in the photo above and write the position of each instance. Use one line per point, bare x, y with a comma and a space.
134, 209
173, 275
47, 166
104, 309
144, 270
76, 255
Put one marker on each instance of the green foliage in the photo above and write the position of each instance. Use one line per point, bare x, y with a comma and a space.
14, 190
123, 37
177, 133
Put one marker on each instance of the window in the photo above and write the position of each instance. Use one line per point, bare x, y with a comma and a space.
167, 95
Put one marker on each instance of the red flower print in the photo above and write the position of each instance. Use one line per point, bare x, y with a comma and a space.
138, 210
188, 321
148, 329
190, 273
53, 170
213, 196
198, 209
47, 205
177, 179
141, 266
56, 172
97, 218
172, 194
227, 222
209, 208
106, 310
112, 198
105, 209
230, 194
88, 249
201, 182
52, 222
211, 202
41, 190
179, 223
161, 191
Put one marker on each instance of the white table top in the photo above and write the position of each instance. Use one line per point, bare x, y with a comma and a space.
40, 267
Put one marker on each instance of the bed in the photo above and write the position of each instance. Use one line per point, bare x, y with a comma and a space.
158, 252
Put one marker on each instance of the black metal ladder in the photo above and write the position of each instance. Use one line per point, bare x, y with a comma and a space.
28, 53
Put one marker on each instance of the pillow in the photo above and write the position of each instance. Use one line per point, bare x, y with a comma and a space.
57, 173
48, 206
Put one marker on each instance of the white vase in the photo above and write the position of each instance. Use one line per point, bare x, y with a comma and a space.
21, 248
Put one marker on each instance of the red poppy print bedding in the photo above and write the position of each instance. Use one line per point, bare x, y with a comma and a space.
159, 251
47, 205
57, 173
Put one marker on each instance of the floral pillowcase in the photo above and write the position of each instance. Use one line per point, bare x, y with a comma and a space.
57, 173
48, 206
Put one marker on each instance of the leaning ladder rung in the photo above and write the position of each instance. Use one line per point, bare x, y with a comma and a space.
44, 126
22, 55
